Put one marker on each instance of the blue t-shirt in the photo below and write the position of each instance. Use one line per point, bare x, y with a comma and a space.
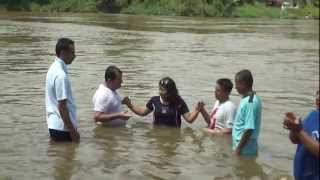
248, 117
167, 114
306, 165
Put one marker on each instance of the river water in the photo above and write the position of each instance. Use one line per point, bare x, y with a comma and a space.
282, 54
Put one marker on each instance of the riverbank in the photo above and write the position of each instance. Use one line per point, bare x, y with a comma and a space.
226, 8
258, 10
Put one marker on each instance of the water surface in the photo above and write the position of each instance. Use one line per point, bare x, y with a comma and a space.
282, 54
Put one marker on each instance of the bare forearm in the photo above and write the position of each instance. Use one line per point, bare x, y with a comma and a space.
64, 112
311, 144
217, 131
191, 116
226, 130
141, 111
205, 116
104, 117
244, 139
294, 138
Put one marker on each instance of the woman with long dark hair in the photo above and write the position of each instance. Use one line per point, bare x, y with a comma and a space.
167, 108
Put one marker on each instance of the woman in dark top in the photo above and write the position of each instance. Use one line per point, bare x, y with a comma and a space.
167, 108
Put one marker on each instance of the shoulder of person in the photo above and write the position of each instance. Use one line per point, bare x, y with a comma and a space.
245, 104
155, 98
230, 104
102, 97
61, 75
244, 100
257, 97
181, 99
181, 102
102, 93
314, 114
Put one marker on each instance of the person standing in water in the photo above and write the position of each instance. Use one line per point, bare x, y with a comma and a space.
306, 135
107, 102
220, 119
60, 106
246, 127
167, 108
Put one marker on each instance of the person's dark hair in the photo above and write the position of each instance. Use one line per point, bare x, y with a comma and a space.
245, 76
172, 91
226, 84
63, 44
111, 73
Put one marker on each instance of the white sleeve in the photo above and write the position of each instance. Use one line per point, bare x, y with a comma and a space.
100, 102
216, 105
62, 87
230, 115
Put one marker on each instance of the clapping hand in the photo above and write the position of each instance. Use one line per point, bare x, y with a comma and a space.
199, 106
291, 122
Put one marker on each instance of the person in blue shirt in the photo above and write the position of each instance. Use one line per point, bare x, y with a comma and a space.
306, 135
246, 127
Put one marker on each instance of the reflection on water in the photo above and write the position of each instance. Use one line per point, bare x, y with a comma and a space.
63, 159
109, 140
247, 168
195, 52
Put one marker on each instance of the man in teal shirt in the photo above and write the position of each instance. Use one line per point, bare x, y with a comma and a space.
246, 127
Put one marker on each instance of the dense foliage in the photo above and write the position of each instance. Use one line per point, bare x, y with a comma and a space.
213, 8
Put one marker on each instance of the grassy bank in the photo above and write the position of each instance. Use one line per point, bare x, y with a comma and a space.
182, 8
206, 8
219, 9
65, 6
260, 10
50, 5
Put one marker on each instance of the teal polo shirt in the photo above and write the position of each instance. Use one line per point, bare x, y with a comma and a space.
248, 117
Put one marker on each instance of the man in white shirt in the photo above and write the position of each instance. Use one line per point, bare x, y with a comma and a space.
60, 106
106, 101
220, 119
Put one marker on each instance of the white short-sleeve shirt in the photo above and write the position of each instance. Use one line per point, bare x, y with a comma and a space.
225, 114
108, 101
58, 88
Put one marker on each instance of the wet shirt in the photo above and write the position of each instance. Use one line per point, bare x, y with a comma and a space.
108, 101
248, 117
306, 165
167, 114
222, 115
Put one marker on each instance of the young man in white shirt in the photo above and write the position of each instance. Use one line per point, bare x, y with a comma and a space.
106, 101
60, 106
220, 119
